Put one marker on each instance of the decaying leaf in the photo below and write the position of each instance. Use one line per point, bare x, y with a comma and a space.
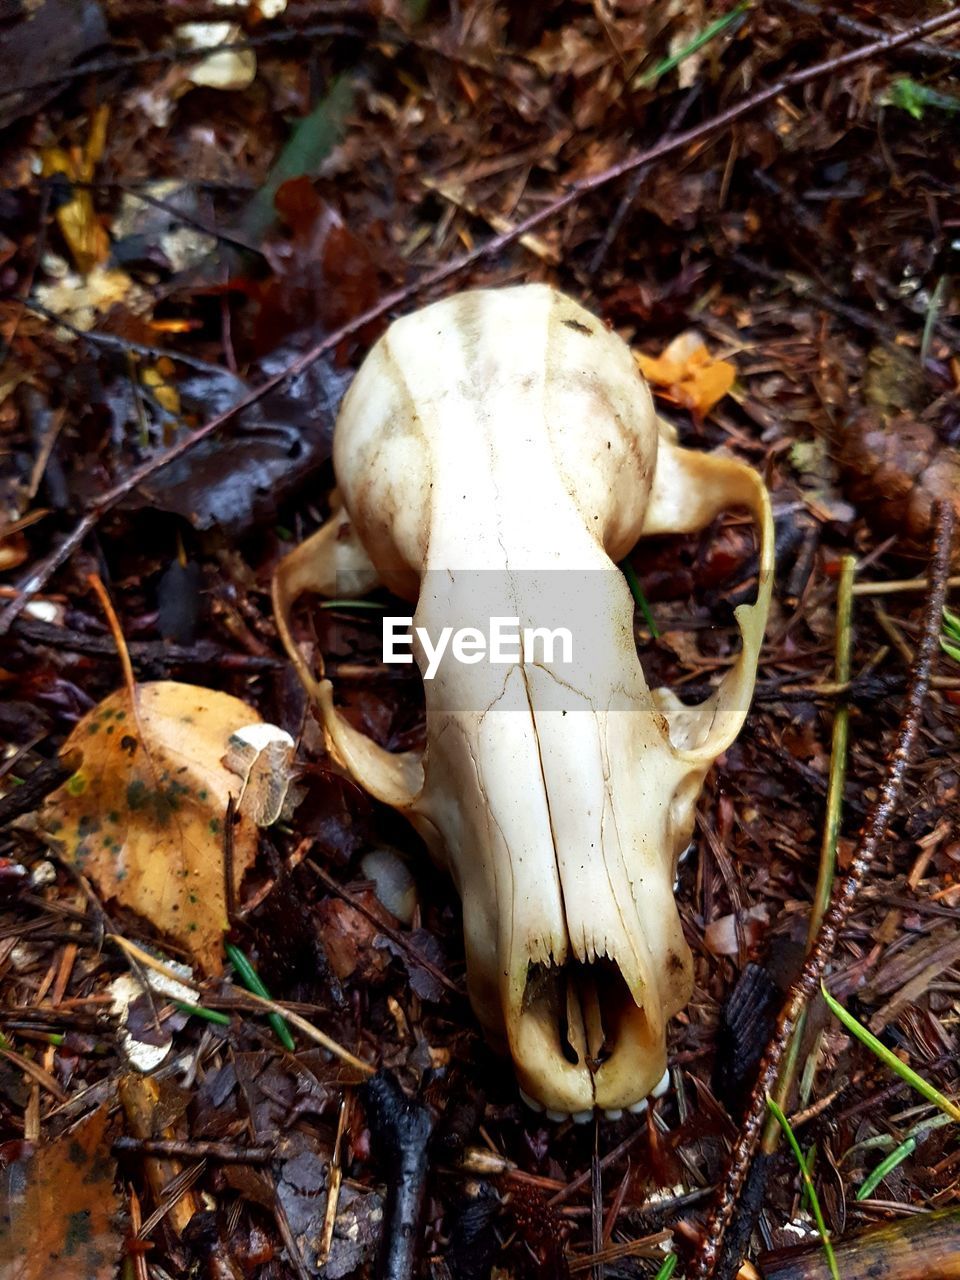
688, 374
226, 69
146, 1054
60, 1208
261, 755
81, 300
86, 237
143, 812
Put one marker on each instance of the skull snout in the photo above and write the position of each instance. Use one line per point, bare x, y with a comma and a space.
585, 1039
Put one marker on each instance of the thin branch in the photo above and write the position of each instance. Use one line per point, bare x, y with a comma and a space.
829, 17
40, 575
124, 62
615, 225
845, 894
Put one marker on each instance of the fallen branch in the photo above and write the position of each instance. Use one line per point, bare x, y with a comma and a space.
916, 1248
845, 893
401, 1129
39, 576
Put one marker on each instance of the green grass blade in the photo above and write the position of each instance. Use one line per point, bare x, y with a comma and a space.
311, 141
253, 982
889, 1058
198, 1011
667, 1267
352, 604
634, 583
703, 37
887, 1165
811, 1190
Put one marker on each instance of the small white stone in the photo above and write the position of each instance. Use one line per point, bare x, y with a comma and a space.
583, 1117
558, 1116
638, 1108
392, 882
43, 611
662, 1085
43, 873
614, 1113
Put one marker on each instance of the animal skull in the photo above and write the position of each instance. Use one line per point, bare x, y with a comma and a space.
499, 451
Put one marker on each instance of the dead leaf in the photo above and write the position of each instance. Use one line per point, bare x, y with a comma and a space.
227, 69
261, 755
81, 300
88, 241
143, 813
687, 373
60, 1214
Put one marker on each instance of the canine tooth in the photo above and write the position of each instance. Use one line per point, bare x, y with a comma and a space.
662, 1085
614, 1113
531, 1102
582, 1117
638, 1108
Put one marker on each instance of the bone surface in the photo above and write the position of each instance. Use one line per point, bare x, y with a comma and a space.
496, 455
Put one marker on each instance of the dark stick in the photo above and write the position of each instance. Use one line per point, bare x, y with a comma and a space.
636, 182
936, 52
403, 943
35, 787
125, 62
845, 893
36, 579
155, 654
401, 1129
225, 1152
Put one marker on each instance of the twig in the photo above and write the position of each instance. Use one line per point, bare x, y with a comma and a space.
185, 1149
401, 1129
313, 1033
636, 182
843, 898
182, 54
394, 935
34, 789
157, 654
124, 346
936, 52
39, 576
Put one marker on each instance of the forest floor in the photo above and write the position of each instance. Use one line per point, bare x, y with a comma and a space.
180, 228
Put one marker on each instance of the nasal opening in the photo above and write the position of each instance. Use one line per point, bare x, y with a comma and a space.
590, 1009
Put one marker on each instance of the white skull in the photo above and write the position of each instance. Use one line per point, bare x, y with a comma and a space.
498, 452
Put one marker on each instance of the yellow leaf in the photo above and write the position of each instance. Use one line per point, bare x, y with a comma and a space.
80, 300
87, 240
687, 374
142, 815
165, 393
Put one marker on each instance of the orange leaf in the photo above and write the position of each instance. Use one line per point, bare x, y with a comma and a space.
61, 1215
686, 374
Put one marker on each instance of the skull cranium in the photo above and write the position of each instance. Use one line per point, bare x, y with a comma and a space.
498, 452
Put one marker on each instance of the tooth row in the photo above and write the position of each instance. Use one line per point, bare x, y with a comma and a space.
612, 1113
